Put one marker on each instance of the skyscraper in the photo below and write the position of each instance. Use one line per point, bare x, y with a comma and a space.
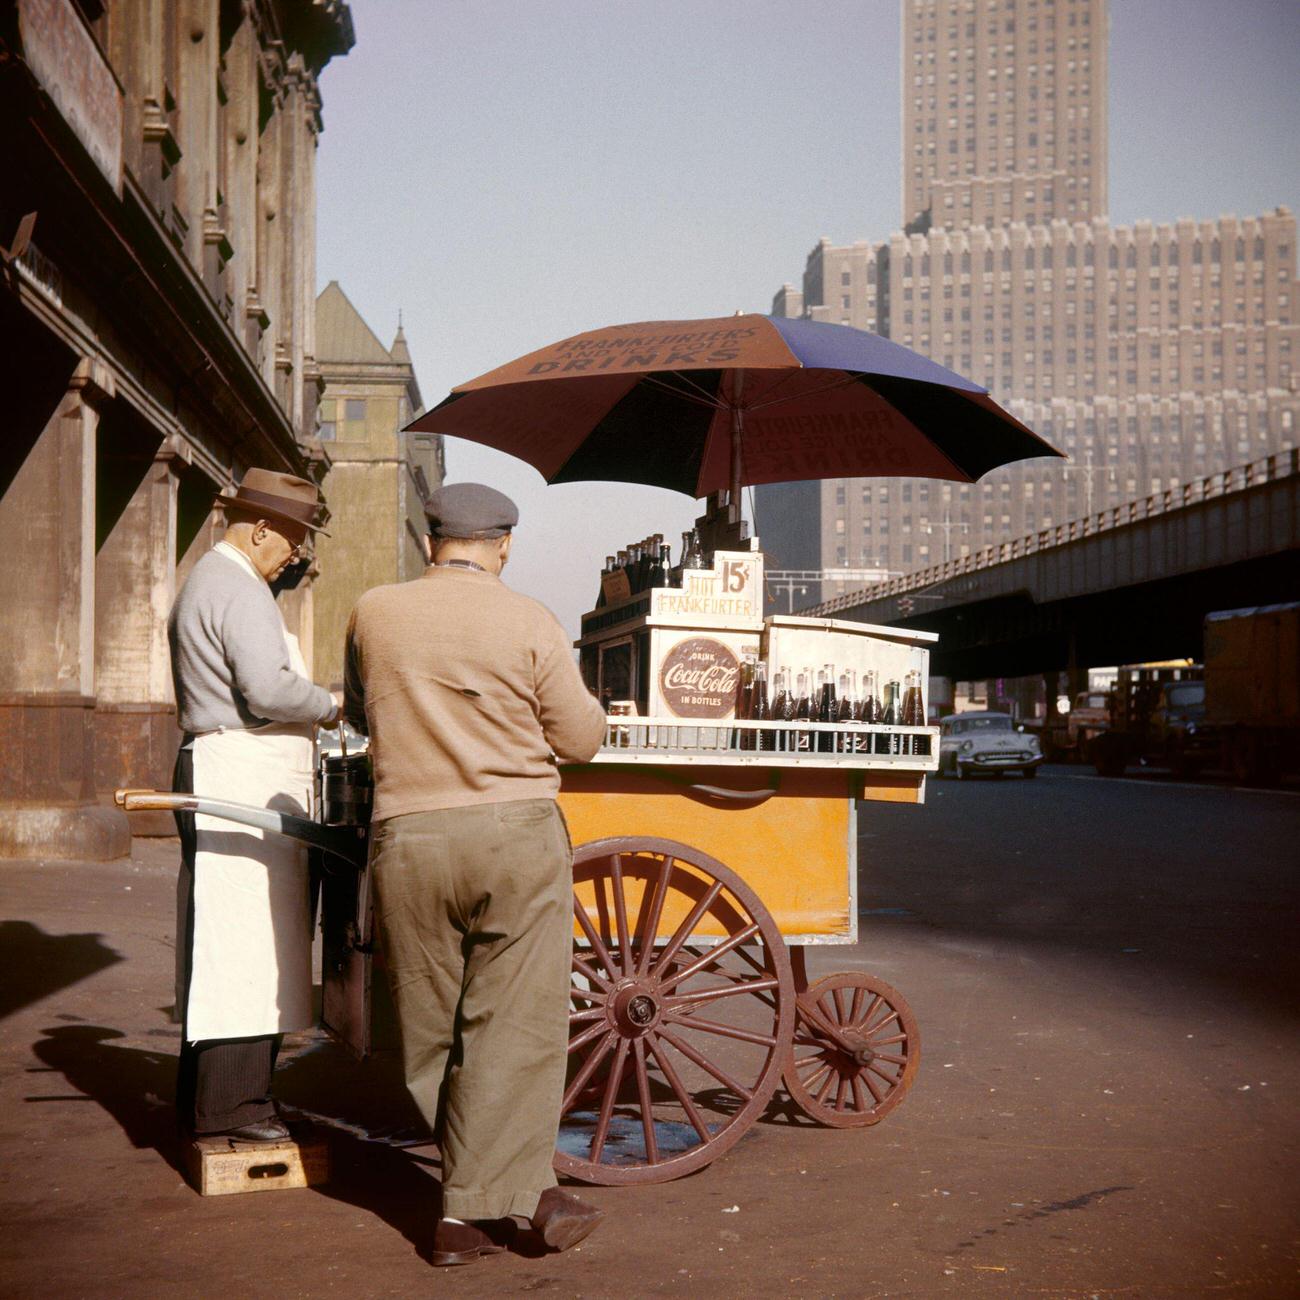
1150, 354
1004, 111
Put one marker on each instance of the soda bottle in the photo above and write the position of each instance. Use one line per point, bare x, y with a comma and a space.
869, 708
845, 711
914, 712
826, 708
745, 701
782, 708
644, 561
803, 710
658, 575
609, 568
892, 714
759, 708
693, 558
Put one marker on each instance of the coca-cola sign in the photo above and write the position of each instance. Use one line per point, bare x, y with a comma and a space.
698, 678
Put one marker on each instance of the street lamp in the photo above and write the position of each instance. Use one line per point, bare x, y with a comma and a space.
948, 525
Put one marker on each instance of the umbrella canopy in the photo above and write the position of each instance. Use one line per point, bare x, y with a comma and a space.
702, 405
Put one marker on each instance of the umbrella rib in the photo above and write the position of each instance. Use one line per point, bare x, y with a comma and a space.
711, 398
849, 379
705, 399
785, 378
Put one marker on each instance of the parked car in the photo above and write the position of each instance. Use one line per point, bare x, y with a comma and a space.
985, 742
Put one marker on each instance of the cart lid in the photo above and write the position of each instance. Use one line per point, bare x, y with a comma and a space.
907, 635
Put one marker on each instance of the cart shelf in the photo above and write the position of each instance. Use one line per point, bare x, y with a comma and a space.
783, 744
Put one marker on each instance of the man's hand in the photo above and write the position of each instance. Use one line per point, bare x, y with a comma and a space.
337, 716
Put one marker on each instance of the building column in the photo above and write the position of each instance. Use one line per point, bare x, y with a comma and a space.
135, 583
47, 641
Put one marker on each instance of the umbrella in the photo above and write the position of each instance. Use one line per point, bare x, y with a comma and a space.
699, 406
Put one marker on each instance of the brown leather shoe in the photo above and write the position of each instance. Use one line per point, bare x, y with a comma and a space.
564, 1220
463, 1243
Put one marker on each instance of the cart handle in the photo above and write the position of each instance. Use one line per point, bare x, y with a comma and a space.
746, 798
347, 843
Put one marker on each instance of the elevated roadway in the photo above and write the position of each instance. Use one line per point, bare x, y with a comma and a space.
1129, 584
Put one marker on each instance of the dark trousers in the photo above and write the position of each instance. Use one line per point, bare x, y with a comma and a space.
221, 1083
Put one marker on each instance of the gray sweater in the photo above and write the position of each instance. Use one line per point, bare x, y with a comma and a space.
230, 664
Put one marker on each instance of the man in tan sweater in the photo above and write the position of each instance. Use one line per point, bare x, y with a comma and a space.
470, 694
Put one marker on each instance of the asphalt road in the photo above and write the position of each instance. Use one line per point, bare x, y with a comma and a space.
1105, 976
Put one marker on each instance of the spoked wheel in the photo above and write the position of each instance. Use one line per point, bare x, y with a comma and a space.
856, 1050
682, 1012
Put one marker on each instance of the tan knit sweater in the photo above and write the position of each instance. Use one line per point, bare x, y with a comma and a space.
466, 689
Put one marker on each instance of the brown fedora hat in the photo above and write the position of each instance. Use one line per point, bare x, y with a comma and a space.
273, 495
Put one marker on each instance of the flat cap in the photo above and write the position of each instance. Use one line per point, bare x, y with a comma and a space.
470, 510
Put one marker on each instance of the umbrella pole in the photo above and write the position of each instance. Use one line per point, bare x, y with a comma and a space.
721, 527
737, 428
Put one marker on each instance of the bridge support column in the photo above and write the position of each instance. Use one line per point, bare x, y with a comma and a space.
1051, 689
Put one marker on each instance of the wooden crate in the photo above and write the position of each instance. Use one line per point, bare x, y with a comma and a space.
220, 1167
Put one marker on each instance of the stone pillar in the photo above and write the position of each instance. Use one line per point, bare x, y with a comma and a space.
47, 641
135, 584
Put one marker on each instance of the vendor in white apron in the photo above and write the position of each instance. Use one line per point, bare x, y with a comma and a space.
248, 712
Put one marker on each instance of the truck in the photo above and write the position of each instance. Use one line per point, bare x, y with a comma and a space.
1238, 712
1252, 690
1089, 715
1156, 715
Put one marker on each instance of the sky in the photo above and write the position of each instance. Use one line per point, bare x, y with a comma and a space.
506, 173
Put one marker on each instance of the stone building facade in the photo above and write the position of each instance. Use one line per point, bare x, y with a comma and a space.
157, 294
1150, 354
379, 477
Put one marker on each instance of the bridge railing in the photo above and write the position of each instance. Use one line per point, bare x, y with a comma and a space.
1239, 478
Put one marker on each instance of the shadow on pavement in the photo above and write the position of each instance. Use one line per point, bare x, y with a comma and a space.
34, 964
135, 1087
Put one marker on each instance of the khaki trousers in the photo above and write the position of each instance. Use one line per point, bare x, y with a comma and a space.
475, 912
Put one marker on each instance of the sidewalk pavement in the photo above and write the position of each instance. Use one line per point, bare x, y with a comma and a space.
995, 1178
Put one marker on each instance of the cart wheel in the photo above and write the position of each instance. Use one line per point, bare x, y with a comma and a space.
856, 1050
682, 1012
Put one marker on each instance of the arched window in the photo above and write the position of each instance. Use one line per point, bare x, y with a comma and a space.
1029, 257
1113, 257
1131, 255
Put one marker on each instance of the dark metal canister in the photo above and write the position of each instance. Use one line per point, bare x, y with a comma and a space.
347, 790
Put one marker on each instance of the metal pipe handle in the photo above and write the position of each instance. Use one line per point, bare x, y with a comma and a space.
348, 843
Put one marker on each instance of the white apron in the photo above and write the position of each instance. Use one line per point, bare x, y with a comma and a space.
251, 954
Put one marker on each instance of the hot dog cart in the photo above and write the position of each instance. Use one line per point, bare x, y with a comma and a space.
710, 853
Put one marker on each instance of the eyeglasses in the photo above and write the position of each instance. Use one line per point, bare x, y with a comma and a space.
297, 549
